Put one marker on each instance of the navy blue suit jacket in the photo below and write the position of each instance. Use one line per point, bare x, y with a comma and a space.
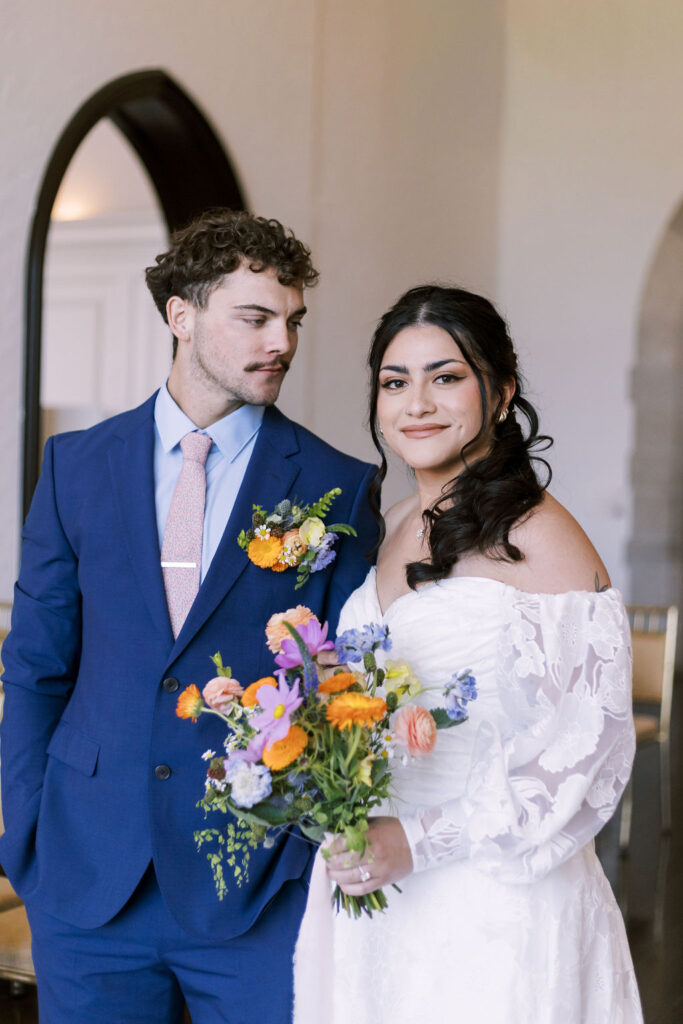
87, 718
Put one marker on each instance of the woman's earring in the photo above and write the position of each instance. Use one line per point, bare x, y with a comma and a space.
503, 416
381, 432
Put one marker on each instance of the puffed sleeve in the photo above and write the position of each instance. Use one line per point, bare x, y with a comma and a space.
549, 765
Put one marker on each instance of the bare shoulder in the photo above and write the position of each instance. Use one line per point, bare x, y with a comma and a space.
396, 516
558, 556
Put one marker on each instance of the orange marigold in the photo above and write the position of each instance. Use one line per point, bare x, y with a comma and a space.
337, 683
355, 709
279, 754
190, 703
265, 552
248, 698
279, 566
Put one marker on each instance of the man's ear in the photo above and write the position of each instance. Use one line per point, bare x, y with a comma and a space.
180, 316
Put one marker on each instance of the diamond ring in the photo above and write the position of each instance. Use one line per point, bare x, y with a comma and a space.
364, 874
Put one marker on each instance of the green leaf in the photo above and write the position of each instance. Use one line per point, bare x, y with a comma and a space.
441, 719
221, 669
342, 528
242, 540
320, 508
310, 671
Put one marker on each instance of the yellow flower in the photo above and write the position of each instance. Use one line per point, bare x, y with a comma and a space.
337, 683
281, 753
248, 699
312, 531
190, 703
351, 709
365, 770
400, 676
265, 552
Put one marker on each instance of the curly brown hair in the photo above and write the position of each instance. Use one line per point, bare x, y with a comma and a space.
215, 244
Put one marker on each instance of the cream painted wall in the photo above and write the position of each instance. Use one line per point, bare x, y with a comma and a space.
528, 149
372, 128
592, 170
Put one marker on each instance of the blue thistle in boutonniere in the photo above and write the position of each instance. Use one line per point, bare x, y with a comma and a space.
293, 535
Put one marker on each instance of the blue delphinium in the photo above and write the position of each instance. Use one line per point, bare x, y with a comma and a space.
353, 644
324, 554
461, 689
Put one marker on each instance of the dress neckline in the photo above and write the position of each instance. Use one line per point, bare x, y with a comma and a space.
431, 584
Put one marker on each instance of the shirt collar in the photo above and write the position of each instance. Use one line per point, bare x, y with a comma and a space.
230, 434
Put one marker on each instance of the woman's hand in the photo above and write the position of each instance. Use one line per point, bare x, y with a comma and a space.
387, 858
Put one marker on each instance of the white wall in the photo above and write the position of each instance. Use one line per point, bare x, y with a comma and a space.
371, 128
592, 170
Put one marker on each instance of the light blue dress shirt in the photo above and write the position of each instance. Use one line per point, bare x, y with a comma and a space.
233, 439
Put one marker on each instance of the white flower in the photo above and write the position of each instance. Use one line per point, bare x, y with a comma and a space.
208, 754
220, 785
250, 783
262, 533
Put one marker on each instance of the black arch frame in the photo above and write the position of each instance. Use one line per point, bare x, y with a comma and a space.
189, 171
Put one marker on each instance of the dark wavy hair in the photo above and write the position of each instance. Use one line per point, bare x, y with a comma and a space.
217, 243
479, 507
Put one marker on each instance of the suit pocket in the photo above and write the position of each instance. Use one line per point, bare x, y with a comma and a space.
71, 747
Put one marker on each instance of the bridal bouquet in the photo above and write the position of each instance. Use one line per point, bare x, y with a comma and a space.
312, 746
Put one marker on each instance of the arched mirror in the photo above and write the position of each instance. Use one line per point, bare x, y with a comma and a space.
136, 161
655, 550
104, 346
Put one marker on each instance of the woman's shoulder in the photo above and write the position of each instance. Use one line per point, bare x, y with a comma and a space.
558, 556
396, 516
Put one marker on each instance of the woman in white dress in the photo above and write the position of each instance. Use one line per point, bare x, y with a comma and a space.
505, 915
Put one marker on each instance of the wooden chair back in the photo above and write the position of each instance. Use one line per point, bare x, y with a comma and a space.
653, 635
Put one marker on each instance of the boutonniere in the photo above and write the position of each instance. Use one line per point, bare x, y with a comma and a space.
293, 535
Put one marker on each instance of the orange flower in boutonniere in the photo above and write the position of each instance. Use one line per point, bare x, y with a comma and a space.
265, 551
293, 536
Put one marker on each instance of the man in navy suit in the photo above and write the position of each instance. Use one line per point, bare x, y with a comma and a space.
100, 778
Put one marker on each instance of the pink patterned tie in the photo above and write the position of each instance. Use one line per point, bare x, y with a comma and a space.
181, 551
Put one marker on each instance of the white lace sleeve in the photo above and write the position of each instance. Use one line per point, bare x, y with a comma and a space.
549, 764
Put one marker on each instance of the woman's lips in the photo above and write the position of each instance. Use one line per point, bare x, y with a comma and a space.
425, 430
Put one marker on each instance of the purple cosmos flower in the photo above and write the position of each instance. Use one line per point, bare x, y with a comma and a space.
278, 704
313, 635
249, 756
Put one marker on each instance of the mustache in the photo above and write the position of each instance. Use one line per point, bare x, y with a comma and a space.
278, 364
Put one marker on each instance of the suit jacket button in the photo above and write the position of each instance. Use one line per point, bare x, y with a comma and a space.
171, 685
163, 772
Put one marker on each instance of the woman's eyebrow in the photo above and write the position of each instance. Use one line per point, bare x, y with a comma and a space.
428, 368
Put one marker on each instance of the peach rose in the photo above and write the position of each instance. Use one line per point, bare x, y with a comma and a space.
220, 693
293, 543
415, 729
276, 632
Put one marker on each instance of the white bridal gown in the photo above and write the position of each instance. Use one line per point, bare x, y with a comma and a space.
508, 917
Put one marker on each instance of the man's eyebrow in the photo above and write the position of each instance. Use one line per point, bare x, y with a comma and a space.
270, 312
428, 368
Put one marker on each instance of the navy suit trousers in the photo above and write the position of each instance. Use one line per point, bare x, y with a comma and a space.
141, 967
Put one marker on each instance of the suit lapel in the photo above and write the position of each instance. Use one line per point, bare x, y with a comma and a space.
131, 462
269, 478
